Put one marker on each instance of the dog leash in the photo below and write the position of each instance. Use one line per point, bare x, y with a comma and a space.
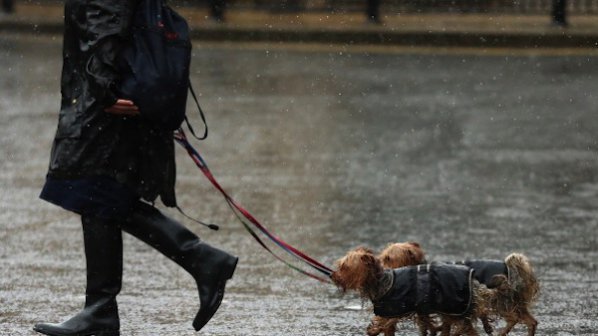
247, 218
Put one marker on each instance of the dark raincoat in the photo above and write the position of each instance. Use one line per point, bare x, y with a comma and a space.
90, 142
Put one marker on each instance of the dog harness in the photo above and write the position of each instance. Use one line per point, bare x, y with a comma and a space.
427, 289
485, 269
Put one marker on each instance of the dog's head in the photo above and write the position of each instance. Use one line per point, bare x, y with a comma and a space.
397, 255
358, 270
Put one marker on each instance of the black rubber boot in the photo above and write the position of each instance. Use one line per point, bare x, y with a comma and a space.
209, 266
103, 253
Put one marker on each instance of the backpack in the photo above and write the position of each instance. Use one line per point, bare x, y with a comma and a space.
155, 65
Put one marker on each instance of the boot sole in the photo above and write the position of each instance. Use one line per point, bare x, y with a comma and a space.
91, 333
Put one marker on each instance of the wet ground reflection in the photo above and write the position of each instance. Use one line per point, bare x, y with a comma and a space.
469, 155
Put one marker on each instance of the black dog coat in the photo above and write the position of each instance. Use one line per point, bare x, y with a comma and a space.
485, 269
427, 289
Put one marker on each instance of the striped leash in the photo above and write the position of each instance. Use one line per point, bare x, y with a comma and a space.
247, 219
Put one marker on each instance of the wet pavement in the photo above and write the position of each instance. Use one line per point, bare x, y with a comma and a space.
470, 154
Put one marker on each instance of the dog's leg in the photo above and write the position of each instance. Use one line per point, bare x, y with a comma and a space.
378, 325
446, 324
435, 326
389, 326
460, 328
468, 328
423, 323
488, 328
375, 328
511, 322
390, 330
530, 321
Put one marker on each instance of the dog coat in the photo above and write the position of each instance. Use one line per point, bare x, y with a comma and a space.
427, 289
485, 269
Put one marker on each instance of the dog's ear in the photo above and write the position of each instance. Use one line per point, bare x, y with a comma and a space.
412, 258
414, 244
372, 264
368, 259
365, 250
416, 256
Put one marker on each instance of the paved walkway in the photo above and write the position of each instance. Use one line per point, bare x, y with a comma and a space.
448, 29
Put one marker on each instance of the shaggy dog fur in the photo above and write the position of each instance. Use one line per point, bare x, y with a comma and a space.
516, 294
359, 270
513, 296
397, 255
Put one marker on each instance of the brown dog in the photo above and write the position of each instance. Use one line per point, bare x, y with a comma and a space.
447, 290
515, 285
397, 255
516, 291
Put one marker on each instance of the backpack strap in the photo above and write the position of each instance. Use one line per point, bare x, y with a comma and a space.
203, 117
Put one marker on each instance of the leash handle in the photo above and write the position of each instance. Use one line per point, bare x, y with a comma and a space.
241, 214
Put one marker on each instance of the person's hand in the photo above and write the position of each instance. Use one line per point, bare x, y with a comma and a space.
123, 107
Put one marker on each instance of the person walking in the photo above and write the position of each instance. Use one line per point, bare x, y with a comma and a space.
108, 164
217, 8
372, 11
559, 13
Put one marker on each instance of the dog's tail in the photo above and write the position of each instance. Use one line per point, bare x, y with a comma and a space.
522, 278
